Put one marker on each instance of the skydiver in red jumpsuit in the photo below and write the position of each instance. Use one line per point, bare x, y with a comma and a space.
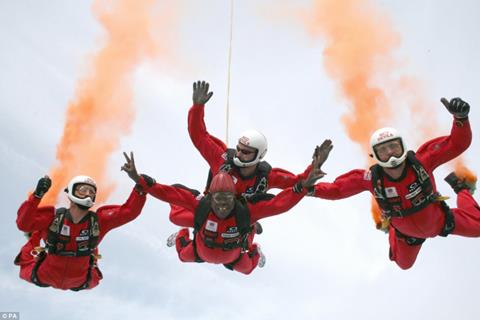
252, 175
403, 185
222, 223
71, 236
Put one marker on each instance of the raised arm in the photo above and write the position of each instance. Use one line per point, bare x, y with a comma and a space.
210, 147
443, 149
30, 217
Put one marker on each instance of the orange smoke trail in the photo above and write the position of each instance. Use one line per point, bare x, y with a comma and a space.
359, 54
102, 111
359, 48
360, 42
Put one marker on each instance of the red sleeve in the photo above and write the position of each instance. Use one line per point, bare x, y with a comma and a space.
113, 216
344, 186
282, 179
210, 148
31, 217
282, 202
174, 195
443, 149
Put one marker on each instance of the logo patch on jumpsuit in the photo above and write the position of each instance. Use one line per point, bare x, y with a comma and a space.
232, 232
65, 230
211, 226
391, 192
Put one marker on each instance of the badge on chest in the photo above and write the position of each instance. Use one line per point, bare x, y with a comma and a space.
391, 192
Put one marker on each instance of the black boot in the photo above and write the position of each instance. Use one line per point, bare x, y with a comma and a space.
457, 184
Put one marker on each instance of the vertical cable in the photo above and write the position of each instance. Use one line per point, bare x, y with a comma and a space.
228, 72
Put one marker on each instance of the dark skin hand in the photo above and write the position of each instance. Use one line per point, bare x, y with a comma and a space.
319, 157
129, 167
200, 92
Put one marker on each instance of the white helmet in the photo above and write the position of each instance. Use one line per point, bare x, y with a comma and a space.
87, 201
383, 135
254, 139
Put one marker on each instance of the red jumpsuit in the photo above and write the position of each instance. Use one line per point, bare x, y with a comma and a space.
428, 222
213, 150
64, 272
284, 201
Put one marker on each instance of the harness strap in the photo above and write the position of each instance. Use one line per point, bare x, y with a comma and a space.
411, 241
448, 227
257, 197
407, 212
92, 264
395, 210
41, 257
241, 243
230, 265
261, 174
195, 252
449, 220
56, 242
184, 243
34, 278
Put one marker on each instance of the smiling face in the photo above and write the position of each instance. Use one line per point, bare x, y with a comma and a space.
222, 203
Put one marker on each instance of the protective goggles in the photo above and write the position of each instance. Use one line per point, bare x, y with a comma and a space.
245, 151
85, 190
388, 149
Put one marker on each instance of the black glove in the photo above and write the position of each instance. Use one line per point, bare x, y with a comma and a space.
42, 187
458, 108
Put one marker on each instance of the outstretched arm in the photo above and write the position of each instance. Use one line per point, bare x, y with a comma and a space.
344, 186
281, 203
113, 216
282, 179
288, 198
174, 195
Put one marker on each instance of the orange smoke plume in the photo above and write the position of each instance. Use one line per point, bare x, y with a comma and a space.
359, 46
359, 51
102, 110
359, 55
